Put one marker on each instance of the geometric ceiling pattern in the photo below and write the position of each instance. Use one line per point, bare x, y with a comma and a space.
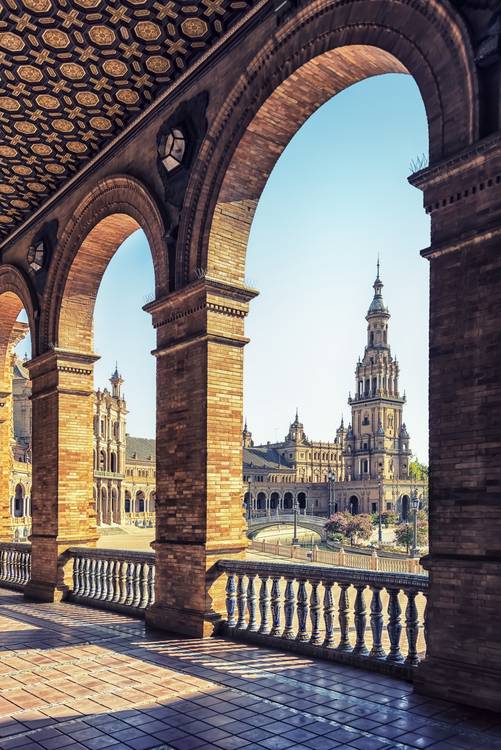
73, 73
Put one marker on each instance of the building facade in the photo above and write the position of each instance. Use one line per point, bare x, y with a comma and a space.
365, 467
124, 488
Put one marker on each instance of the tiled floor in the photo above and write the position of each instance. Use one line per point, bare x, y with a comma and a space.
81, 679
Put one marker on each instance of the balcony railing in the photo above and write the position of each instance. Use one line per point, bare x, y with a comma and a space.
15, 564
295, 608
120, 580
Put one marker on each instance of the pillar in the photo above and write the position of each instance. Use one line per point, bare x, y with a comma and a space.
199, 511
463, 660
5, 461
63, 515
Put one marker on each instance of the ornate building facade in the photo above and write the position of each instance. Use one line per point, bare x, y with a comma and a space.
124, 467
365, 467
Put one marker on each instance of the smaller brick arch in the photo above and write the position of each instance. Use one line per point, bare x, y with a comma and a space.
110, 213
15, 294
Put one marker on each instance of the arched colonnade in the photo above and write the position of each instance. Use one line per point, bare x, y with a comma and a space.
198, 239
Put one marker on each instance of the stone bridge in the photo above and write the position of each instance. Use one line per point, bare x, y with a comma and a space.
312, 523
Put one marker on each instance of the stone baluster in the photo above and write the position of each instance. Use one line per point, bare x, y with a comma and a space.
104, 580
87, 576
360, 621
143, 586
289, 605
264, 606
110, 580
252, 626
411, 629
136, 584
92, 578
77, 576
344, 611
129, 584
116, 581
377, 650
124, 566
316, 639
302, 613
231, 601
394, 626
275, 607
328, 616
241, 602
151, 584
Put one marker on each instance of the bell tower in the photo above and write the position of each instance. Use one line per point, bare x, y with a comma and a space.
378, 444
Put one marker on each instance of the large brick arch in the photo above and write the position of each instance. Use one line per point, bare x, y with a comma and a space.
323, 49
110, 213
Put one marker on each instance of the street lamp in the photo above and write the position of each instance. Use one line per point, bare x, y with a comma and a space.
415, 508
379, 525
332, 478
295, 540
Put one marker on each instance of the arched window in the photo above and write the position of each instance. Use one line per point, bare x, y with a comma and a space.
274, 499
113, 462
353, 505
261, 501
127, 501
102, 461
140, 502
19, 501
288, 501
301, 500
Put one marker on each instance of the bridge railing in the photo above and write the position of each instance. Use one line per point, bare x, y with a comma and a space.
294, 607
15, 564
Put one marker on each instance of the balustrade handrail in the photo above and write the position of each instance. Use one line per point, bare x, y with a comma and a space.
410, 581
103, 553
15, 546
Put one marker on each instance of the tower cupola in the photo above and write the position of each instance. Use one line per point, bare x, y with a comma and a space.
116, 381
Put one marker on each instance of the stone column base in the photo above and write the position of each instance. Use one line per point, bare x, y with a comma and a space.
459, 683
186, 622
36, 591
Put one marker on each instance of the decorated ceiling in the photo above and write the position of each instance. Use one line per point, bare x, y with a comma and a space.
73, 73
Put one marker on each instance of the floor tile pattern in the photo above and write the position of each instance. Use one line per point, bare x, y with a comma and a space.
78, 678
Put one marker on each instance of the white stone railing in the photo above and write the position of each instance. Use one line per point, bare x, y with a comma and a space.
323, 611
120, 580
15, 564
340, 557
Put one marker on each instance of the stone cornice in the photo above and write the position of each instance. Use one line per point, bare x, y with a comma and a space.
463, 161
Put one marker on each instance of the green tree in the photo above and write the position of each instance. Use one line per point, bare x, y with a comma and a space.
404, 534
351, 527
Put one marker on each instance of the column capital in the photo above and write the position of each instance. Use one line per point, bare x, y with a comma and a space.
80, 363
206, 310
461, 196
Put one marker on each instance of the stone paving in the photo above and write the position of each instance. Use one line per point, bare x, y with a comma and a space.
84, 679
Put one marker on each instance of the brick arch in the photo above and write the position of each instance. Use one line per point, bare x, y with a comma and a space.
109, 214
15, 294
324, 48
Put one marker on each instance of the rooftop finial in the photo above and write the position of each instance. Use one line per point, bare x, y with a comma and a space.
377, 266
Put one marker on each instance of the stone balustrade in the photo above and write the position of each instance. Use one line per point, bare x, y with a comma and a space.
120, 580
323, 611
15, 564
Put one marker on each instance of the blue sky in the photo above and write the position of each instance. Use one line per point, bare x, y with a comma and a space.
337, 197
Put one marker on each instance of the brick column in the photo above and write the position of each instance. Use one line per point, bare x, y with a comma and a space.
464, 608
62, 503
5, 460
199, 508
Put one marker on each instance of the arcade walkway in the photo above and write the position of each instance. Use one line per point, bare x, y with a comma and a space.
78, 678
